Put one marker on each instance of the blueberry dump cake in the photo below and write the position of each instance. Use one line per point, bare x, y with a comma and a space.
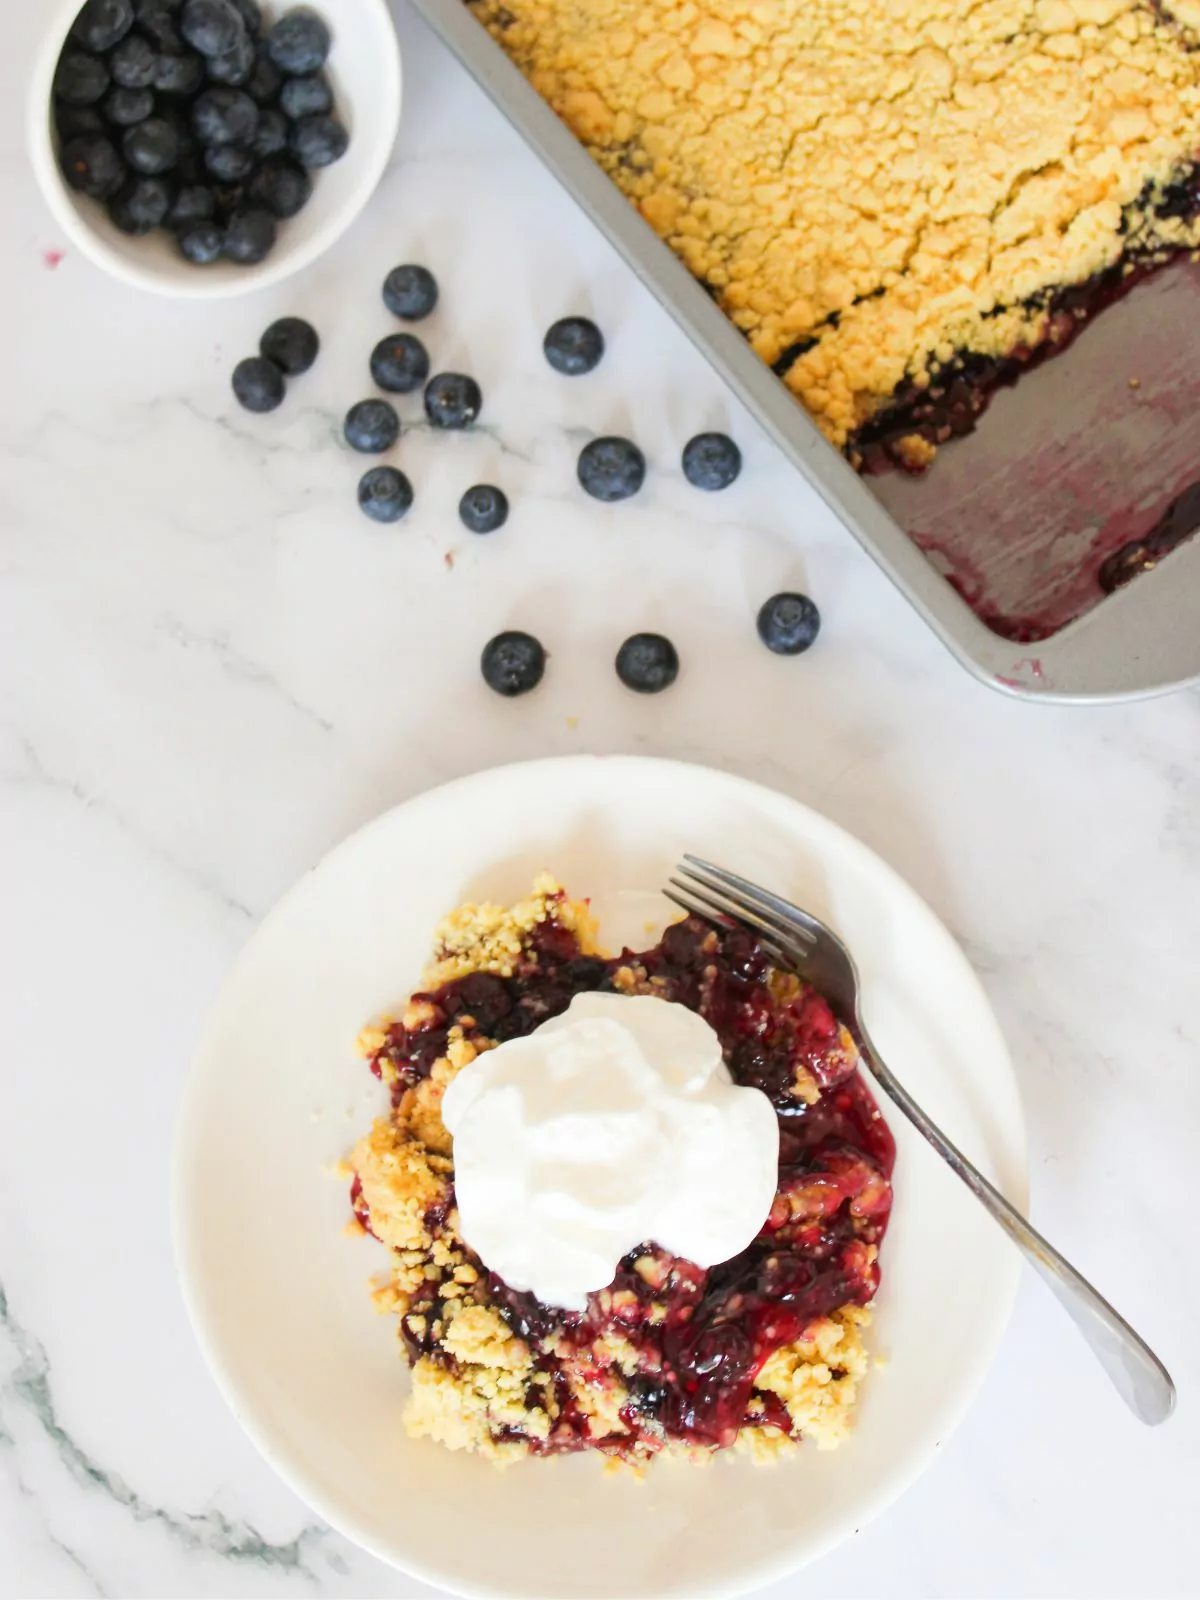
901, 203
759, 1351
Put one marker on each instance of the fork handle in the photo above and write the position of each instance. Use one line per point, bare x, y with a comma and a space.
1135, 1371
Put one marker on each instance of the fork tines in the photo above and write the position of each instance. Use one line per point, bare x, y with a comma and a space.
705, 890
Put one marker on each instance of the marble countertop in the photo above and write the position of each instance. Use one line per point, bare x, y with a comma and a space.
213, 668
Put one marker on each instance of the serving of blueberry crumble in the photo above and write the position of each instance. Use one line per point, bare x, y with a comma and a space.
759, 1352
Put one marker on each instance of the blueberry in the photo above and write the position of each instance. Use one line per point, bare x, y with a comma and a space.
251, 14
201, 243
225, 116
648, 663
132, 62
234, 66
80, 79
306, 97
228, 163
410, 292
292, 344
281, 186
151, 147
102, 24
788, 624
483, 508
141, 205
372, 427
179, 75
400, 363
126, 107
92, 165
319, 141
574, 346
711, 461
72, 121
250, 236
272, 135
211, 26
265, 82
452, 400
611, 469
258, 384
513, 663
195, 202
159, 21
299, 42
384, 494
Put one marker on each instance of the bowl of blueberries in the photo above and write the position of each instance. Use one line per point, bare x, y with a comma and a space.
204, 148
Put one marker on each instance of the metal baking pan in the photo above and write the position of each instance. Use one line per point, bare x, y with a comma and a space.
1095, 444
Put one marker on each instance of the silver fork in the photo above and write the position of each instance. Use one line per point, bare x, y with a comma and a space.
801, 943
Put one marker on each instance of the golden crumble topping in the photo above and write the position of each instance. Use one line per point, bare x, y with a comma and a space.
871, 189
498, 1373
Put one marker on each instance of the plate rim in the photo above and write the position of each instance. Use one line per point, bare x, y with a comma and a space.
1013, 1183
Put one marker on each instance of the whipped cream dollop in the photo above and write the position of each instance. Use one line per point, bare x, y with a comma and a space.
614, 1124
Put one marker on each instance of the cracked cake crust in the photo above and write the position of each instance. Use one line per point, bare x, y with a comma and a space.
874, 192
496, 1372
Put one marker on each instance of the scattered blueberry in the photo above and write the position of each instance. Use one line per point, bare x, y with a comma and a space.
181, 76
281, 186
319, 141
234, 66
400, 363
211, 26
372, 427
513, 663
102, 24
201, 243
306, 97
711, 461
125, 107
265, 81
228, 163
410, 292
384, 494
272, 135
611, 469
299, 43
140, 205
152, 147
225, 116
91, 165
292, 344
80, 79
250, 236
788, 624
647, 663
132, 63
195, 202
483, 508
574, 346
72, 121
258, 384
452, 400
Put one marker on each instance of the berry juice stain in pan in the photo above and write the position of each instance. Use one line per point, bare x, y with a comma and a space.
1079, 478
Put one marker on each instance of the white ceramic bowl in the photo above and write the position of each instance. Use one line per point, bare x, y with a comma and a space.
364, 68
278, 1294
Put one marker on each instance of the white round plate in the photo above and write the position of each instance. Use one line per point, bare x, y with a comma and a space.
278, 1294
